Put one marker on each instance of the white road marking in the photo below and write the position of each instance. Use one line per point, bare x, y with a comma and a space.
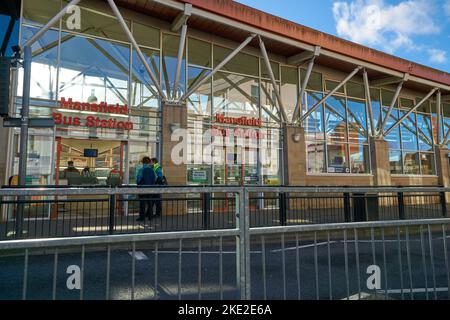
138, 255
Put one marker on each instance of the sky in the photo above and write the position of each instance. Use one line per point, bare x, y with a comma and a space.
417, 30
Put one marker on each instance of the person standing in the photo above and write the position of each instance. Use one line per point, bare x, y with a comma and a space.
145, 177
160, 178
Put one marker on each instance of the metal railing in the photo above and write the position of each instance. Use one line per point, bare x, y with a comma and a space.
67, 212
397, 259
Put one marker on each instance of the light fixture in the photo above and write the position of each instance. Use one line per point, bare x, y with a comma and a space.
296, 137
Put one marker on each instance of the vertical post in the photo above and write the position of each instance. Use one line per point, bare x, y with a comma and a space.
401, 205
243, 245
282, 208
179, 61
206, 210
24, 135
347, 214
112, 212
443, 204
438, 117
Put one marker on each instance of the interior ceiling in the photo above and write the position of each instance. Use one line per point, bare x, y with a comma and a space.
168, 14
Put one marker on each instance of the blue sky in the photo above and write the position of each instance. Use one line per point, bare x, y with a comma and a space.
417, 30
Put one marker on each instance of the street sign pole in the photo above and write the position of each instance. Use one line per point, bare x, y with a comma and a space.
24, 135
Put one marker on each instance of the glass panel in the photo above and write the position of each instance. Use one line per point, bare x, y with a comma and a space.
315, 80
386, 98
101, 24
316, 157
144, 92
201, 100
289, 90
395, 161
94, 70
315, 122
359, 158
425, 107
408, 130
394, 137
242, 63
169, 64
234, 95
199, 53
406, 103
427, 163
39, 165
146, 35
337, 158
270, 156
356, 90
425, 131
275, 69
40, 12
331, 85
335, 119
376, 107
357, 121
44, 65
269, 103
411, 162
446, 109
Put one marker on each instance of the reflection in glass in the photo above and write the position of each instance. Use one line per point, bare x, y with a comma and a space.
169, 65
235, 96
316, 157
289, 90
408, 130
337, 158
144, 92
269, 103
335, 119
94, 70
201, 100
314, 126
44, 65
425, 131
395, 161
392, 138
427, 163
359, 156
357, 121
199, 53
411, 162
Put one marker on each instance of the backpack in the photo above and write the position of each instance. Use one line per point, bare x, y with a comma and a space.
162, 181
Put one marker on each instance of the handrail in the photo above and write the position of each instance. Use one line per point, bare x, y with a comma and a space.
114, 239
50, 191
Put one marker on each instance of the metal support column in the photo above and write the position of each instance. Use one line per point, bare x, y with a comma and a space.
391, 107
299, 105
179, 60
369, 103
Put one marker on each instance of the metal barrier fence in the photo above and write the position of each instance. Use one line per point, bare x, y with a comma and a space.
62, 212
295, 262
400, 259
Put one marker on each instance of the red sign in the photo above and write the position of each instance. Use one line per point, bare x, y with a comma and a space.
243, 121
92, 121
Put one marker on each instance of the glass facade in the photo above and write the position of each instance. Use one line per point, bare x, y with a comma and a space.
411, 142
337, 132
95, 63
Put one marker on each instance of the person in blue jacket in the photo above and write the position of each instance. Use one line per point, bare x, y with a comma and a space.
159, 174
146, 177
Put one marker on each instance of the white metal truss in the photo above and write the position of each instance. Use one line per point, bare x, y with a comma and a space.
324, 99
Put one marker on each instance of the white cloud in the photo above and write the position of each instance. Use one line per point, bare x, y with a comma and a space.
437, 56
389, 27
